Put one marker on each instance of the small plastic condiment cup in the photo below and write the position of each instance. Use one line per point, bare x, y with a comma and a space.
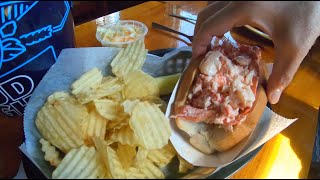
121, 22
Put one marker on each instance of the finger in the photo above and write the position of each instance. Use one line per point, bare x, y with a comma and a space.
284, 68
216, 25
207, 12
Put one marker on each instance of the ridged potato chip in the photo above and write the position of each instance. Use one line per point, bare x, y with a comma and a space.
156, 100
110, 159
107, 108
122, 120
58, 96
134, 173
101, 147
50, 153
87, 81
166, 84
108, 87
139, 84
150, 125
80, 163
126, 154
144, 170
150, 170
107, 79
128, 105
125, 135
129, 59
184, 166
94, 126
117, 97
141, 169
59, 120
142, 154
162, 157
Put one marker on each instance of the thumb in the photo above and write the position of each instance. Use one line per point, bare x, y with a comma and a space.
284, 68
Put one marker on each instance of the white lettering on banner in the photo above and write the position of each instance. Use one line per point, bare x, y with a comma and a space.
15, 84
17, 89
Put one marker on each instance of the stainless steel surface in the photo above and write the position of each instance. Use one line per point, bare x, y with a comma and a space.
165, 28
251, 28
190, 20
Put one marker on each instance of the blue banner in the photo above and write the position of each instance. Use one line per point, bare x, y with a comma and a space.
32, 34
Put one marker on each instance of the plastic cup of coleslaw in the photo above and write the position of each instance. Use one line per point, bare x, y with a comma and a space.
121, 33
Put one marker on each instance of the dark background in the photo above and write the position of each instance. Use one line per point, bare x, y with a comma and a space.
84, 11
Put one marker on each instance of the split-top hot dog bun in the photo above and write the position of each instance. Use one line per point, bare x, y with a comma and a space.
220, 97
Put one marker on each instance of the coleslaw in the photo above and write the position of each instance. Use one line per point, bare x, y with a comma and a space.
120, 32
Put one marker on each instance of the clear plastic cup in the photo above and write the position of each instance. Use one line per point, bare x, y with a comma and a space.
104, 27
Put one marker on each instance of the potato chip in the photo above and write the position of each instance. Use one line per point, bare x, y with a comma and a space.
166, 84
107, 108
58, 121
156, 100
94, 126
90, 107
101, 146
134, 173
58, 96
80, 163
87, 81
142, 154
139, 84
150, 170
128, 105
117, 97
126, 155
103, 171
125, 135
184, 165
110, 159
107, 79
144, 170
109, 87
129, 59
50, 153
150, 125
162, 157
109, 142
122, 120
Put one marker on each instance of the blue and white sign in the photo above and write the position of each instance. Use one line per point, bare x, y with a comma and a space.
32, 34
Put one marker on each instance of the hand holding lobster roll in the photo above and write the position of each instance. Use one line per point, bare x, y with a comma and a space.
220, 97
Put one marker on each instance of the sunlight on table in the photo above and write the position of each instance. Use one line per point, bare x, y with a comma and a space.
285, 160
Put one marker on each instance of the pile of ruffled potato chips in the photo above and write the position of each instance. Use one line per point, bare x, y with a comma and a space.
110, 126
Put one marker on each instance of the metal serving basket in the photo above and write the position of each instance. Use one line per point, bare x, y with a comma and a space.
171, 61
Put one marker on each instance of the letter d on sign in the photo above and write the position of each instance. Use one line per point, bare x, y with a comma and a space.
17, 87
